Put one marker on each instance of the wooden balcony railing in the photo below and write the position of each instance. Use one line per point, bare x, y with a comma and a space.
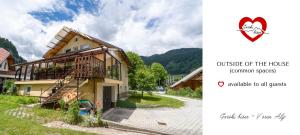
89, 67
86, 66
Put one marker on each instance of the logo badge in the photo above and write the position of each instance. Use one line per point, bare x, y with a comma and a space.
253, 29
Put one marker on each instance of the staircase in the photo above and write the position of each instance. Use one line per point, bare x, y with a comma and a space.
65, 89
86, 67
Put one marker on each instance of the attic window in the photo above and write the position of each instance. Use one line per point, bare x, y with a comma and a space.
83, 47
68, 50
75, 48
76, 39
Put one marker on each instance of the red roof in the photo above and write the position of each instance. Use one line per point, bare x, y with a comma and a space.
3, 55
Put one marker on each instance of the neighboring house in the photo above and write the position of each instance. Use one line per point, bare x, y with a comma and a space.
192, 80
77, 66
6, 71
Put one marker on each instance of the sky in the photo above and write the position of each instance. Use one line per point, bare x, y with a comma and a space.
144, 26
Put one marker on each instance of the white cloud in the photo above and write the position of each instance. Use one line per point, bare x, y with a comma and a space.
177, 24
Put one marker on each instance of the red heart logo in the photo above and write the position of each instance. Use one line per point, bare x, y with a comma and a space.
262, 30
221, 83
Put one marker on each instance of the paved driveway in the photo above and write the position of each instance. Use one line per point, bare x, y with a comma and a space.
186, 120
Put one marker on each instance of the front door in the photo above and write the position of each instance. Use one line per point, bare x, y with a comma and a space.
107, 97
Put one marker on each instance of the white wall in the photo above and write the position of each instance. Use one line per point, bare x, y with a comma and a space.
4, 66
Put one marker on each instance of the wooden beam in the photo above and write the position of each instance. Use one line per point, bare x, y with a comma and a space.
111, 66
54, 66
65, 64
47, 64
32, 72
16, 73
20, 73
104, 52
39, 69
25, 74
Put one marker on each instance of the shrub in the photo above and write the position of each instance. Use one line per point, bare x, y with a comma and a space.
10, 86
99, 119
93, 120
186, 92
73, 116
62, 104
197, 93
89, 121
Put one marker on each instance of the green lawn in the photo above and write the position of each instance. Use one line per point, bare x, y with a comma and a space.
16, 126
49, 114
149, 101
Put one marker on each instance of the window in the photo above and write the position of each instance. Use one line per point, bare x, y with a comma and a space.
68, 50
1, 65
75, 48
76, 39
5, 65
27, 90
113, 68
83, 47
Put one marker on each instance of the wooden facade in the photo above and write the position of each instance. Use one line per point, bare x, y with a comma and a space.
192, 80
193, 83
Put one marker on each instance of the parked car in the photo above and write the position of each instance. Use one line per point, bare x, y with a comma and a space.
160, 88
86, 107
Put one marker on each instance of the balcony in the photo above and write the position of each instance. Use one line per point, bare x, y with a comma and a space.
85, 65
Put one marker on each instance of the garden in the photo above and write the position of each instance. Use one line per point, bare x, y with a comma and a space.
15, 121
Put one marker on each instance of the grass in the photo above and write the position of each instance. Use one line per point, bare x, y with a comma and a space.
49, 114
149, 101
16, 126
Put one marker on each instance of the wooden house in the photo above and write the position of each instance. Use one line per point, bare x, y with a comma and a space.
6, 69
192, 80
77, 66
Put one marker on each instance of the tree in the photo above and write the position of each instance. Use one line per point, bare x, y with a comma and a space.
136, 64
160, 73
145, 80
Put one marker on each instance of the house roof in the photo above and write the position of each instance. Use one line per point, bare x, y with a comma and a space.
3, 55
187, 77
66, 34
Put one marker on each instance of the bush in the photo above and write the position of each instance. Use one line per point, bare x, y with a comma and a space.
186, 92
62, 104
10, 86
28, 100
89, 121
73, 116
93, 121
99, 119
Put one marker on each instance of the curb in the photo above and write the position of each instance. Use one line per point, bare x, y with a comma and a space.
119, 126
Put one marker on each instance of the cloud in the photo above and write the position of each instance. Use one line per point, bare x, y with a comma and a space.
146, 27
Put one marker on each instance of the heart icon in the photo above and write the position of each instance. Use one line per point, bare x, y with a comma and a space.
221, 83
248, 30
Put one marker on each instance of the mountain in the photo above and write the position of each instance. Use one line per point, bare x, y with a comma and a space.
178, 61
9, 46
